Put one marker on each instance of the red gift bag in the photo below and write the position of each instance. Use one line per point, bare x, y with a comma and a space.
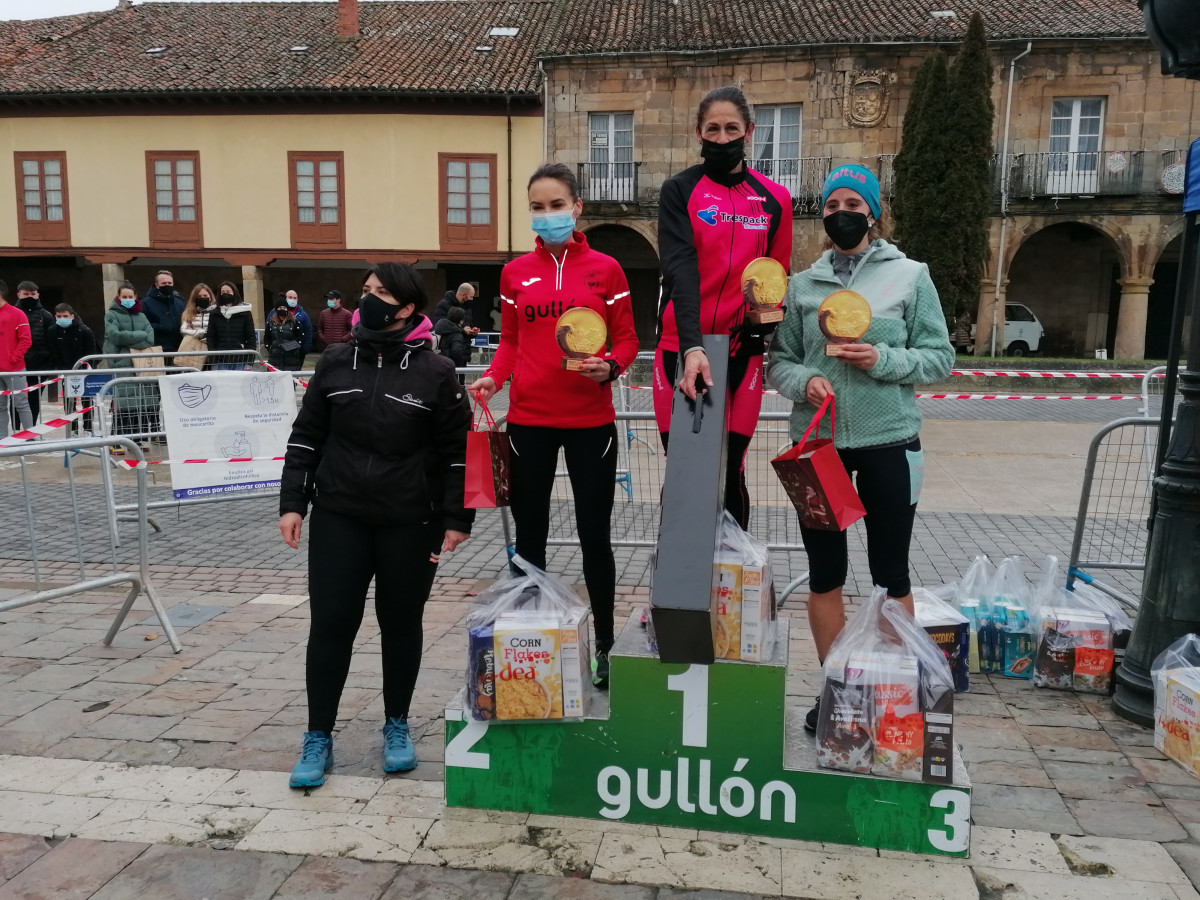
486, 480
816, 481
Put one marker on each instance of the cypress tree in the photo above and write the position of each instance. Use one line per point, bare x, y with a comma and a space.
968, 183
927, 220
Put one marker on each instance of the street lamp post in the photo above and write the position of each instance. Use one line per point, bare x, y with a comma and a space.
1171, 589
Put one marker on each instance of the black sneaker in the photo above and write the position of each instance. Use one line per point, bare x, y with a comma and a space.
600, 670
810, 720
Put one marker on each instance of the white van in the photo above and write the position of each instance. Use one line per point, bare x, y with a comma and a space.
1023, 333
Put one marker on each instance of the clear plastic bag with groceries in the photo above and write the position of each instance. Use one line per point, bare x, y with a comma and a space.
1176, 677
948, 627
887, 701
529, 649
974, 601
744, 594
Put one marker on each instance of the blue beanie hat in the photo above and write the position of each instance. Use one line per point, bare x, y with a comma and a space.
859, 179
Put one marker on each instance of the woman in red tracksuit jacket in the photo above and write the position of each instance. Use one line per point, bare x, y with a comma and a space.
713, 219
550, 407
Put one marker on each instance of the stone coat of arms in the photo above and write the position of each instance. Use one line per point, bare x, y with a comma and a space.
866, 101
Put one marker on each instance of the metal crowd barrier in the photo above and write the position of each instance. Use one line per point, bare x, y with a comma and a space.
1114, 505
139, 581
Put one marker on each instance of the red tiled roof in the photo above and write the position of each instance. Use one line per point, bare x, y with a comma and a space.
428, 47
605, 26
238, 48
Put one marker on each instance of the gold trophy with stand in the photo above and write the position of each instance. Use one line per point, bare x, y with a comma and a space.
581, 333
844, 317
764, 285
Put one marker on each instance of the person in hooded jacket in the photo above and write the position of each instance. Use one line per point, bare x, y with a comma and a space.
378, 450
231, 327
41, 325
304, 322
877, 420
452, 341
282, 337
163, 306
70, 341
126, 328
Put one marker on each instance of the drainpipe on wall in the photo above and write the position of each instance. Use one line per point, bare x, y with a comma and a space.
509, 205
996, 292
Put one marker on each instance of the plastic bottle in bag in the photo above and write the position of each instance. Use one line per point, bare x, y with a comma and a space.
971, 597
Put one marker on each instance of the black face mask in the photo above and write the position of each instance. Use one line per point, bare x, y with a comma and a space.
201, 303
166, 289
845, 228
723, 158
375, 313
282, 312
226, 299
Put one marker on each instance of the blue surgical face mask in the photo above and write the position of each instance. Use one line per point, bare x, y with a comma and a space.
331, 303
128, 302
554, 228
292, 303
64, 321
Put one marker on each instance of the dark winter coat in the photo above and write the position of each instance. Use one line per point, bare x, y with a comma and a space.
69, 345
443, 309
40, 323
232, 332
305, 323
165, 312
276, 335
452, 342
382, 434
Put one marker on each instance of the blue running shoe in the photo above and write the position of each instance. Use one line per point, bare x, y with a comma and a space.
316, 757
398, 752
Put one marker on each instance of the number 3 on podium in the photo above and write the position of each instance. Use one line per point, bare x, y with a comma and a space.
956, 836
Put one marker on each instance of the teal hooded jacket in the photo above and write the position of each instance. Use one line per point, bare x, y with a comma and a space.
878, 406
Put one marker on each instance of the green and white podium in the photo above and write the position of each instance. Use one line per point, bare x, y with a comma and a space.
694, 746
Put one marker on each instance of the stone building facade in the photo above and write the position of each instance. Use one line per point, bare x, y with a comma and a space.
1097, 137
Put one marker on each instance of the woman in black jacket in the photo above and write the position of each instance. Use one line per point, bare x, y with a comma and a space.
231, 327
282, 338
379, 450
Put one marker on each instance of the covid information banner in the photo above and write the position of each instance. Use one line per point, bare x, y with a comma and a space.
232, 418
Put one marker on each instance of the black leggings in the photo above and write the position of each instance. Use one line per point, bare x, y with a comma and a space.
884, 481
591, 455
343, 555
737, 494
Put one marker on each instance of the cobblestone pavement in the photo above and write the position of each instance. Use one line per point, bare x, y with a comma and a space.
133, 771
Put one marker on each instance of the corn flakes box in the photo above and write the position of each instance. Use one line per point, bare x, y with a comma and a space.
727, 592
576, 663
758, 626
1161, 677
528, 667
1181, 726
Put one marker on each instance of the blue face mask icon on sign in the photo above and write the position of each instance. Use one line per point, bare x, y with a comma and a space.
554, 228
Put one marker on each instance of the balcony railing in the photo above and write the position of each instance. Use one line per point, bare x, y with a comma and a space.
609, 182
1080, 174
803, 177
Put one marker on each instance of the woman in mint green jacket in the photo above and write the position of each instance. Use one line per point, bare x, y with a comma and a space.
873, 382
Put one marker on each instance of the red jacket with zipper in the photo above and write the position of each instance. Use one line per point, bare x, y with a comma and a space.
535, 289
15, 338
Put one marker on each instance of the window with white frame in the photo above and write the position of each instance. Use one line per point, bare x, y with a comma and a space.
1076, 126
610, 160
776, 150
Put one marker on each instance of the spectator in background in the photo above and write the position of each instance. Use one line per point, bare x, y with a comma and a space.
306, 327
452, 342
126, 328
70, 341
460, 298
163, 307
231, 327
334, 322
282, 337
14, 341
193, 328
962, 333
38, 355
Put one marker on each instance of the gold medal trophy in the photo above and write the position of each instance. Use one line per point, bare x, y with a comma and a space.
764, 285
581, 334
844, 317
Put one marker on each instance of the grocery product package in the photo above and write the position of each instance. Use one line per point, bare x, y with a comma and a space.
745, 591
529, 649
973, 601
1122, 625
1009, 643
1176, 677
1075, 637
948, 628
883, 677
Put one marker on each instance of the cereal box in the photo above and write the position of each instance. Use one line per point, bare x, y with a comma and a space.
528, 674
1018, 654
844, 738
575, 638
899, 725
1181, 725
481, 673
727, 593
758, 610
1161, 677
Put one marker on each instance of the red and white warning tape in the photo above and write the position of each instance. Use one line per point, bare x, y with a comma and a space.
32, 387
132, 464
1027, 397
999, 374
271, 368
18, 437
